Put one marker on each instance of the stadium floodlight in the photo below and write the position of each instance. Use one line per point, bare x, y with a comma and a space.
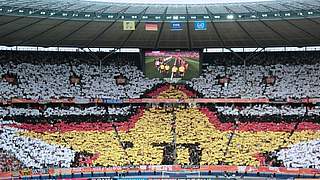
217, 17
51, 14
42, 13
87, 15
10, 10
230, 16
239, 16
64, 14
310, 12
300, 14
21, 11
287, 14
110, 16
206, 17
253, 16
264, 15
0, 9
193, 17
277, 14
157, 17
144, 17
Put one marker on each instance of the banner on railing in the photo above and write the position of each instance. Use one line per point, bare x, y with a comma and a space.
62, 171
25, 172
40, 171
15, 173
220, 168
7, 174
112, 101
81, 101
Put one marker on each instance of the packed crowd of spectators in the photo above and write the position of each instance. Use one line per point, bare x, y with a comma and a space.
200, 138
39, 79
64, 111
301, 155
292, 75
24, 152
292, 81
67, 114
55, 111
76, 135
264, 110
8, 162
267, 113
32, 152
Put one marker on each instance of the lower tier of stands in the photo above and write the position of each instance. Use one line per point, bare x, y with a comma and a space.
155, 136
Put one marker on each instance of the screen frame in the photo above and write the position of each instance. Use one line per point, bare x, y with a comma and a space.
143, 52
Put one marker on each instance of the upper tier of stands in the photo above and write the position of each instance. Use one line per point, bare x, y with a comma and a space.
295, 75
41, 77
47, 76
294, 81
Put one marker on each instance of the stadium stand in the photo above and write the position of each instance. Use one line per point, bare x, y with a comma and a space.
294, 81
293, 75
8, 162
267, 113
148, 137
302, 155
66, 111
45, 81
32, 152
118, 135
159, 91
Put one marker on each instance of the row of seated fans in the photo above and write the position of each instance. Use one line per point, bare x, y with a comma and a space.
265, 112
148, 137
64, 111
262, 123
53, 117
273, 75
37, 78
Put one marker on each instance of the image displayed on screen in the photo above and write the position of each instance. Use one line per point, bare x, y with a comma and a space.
172, 64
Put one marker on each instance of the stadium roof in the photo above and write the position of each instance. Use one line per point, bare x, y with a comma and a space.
108, 7
177, 1
100, 24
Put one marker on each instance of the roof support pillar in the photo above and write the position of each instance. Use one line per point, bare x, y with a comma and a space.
188, 30
156, 44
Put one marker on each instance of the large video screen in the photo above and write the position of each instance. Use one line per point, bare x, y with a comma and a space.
172, 64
